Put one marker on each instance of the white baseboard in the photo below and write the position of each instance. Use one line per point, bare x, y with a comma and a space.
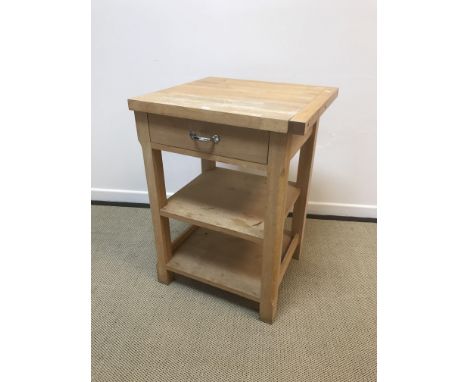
319, 208
342, 209
123, 196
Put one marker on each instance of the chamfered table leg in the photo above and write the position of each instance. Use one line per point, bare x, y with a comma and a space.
157, 196
277, 179
306, 158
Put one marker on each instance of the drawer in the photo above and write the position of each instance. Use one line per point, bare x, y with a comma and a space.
235, 142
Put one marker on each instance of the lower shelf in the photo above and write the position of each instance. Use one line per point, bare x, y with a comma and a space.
223, 261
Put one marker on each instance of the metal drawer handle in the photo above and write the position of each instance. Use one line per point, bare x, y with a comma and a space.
195, 137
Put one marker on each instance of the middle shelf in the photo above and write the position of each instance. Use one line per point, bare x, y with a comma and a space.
227, 201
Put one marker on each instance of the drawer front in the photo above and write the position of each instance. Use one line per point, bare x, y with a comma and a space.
235, 142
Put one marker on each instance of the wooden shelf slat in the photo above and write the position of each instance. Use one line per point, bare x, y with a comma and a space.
223, 261
227, 201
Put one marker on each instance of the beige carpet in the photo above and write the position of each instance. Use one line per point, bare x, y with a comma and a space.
145, 331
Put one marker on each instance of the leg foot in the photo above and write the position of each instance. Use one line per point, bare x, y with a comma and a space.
267, 312
164, 276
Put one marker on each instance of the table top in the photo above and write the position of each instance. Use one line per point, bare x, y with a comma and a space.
278, 107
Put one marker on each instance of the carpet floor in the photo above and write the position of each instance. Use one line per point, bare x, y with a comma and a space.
142, 330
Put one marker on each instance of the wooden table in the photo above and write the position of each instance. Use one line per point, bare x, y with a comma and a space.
236, 240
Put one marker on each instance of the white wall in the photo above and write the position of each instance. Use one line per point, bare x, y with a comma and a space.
143, 46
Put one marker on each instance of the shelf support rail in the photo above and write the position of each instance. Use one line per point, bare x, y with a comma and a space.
288, 256
184, 235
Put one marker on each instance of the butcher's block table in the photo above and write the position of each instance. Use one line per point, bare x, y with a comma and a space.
236, 240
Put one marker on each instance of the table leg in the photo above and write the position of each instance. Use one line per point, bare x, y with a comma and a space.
304, 169
207, 165
277, 179
157, 196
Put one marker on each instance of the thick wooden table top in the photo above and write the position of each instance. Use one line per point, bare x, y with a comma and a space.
277, 107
